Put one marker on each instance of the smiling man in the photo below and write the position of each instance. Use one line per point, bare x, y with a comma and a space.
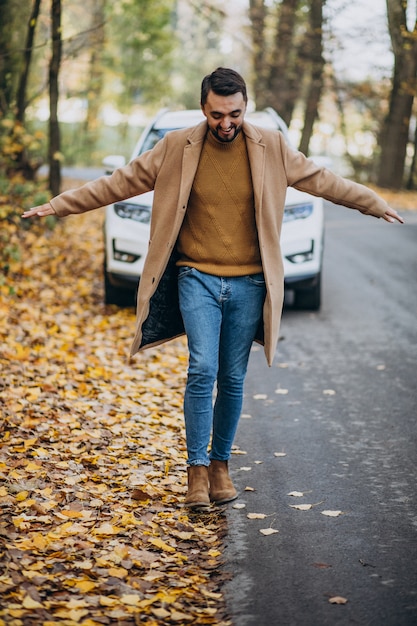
214, 268
224, 113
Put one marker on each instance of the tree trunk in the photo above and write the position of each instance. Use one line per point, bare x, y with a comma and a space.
257, 16
21, 91
315, 54
7, 58
95, 85
395, 132
284, 80
54, 155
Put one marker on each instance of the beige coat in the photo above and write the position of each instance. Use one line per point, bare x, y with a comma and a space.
169, 169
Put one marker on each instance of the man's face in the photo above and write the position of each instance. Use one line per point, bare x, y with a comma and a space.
224, 115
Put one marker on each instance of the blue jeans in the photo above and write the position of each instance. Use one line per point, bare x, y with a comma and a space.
221, 316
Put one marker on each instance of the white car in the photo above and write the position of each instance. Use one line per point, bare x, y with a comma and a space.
126, 226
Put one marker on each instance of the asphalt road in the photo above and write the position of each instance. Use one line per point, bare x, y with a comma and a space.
341, 402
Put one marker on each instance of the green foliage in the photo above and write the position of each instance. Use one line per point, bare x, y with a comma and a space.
16, 195
141, 42
13, 20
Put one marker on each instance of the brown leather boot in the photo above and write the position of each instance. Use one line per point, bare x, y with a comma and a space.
221, 487
198, 487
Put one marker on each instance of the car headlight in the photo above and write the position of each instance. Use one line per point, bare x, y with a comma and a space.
130, 211
297, 211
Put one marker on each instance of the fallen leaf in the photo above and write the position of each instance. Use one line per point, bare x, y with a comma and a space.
130, 599
161, 613
268, 531
158, 543
329, 392
302, 507
296, 494
282, 392
239, 505
256, 516
332, 513
140, 495
337, 600
29, 603
260, 396
280, 454
95, 448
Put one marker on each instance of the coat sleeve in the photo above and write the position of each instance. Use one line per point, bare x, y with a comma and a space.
305, 175
137, 177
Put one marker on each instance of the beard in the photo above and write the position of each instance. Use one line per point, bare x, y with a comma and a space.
226, 138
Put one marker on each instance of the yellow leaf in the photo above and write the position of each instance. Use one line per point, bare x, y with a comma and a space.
106, 601
118, 572
39, 541
29, 603
85, 585
131, 599
158, 543
66, 514
22, 496
213, 553
32, 467
256, 516
73, 614
107, 529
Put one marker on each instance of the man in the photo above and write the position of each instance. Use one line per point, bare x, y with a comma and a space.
213, 268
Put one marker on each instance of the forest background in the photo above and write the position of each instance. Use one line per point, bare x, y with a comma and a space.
80, 78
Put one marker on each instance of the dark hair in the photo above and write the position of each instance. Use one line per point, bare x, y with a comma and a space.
223, 82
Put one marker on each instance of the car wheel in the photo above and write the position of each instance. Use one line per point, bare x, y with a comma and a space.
117, 295
309, 299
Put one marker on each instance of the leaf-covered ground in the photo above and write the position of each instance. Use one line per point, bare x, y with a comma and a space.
92, 457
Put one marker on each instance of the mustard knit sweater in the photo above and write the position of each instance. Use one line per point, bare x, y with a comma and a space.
219, 233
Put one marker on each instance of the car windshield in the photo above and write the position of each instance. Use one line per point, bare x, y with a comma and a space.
153, 137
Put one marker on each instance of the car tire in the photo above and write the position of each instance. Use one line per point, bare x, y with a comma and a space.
117, 295
309, 299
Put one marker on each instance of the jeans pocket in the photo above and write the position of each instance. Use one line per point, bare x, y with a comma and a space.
257, 279
184, 270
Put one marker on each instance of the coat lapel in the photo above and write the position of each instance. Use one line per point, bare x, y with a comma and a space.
190, 159
256, 154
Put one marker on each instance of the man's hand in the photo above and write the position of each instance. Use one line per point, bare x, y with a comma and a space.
41, 211
391, 215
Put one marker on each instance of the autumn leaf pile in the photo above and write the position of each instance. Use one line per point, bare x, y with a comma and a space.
92, 458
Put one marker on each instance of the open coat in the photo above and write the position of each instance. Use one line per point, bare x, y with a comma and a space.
169, 168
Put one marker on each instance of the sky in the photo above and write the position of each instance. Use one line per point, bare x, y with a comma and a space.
362, 32
364, 46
